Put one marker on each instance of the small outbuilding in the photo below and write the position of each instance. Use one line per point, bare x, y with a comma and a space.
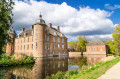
96, 46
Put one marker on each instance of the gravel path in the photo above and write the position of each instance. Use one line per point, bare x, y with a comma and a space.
112, 73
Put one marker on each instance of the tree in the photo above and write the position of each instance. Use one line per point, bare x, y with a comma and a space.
116, 38
111, 46
82, 42
6, 20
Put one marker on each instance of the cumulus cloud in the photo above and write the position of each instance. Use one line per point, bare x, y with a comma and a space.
108, 6
74, 22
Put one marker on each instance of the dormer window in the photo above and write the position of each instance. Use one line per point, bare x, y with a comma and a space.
55, 33
25, 34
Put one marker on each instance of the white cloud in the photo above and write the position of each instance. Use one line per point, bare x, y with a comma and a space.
73, 22
108, 6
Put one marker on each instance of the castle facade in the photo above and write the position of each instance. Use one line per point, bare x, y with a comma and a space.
40, 40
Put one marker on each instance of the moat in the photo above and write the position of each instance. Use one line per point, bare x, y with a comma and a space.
46, 66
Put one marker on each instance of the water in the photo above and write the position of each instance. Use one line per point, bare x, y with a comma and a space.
46, 66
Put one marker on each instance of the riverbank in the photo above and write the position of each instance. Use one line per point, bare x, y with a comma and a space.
87, 72
13, 60
96, 70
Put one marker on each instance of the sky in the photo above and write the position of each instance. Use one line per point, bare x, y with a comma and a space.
90, 18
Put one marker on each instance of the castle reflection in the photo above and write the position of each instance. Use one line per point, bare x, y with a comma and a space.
46, 66
43, 67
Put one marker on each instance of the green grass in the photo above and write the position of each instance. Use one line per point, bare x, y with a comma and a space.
86, 72
95, 71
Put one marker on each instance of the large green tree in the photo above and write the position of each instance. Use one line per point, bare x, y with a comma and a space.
116, 38
82, 42
6, 20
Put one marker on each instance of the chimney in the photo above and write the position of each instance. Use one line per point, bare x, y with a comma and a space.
50, 25
32, 26
58, 28
23, 29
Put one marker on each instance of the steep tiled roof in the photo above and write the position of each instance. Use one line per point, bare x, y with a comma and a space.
52, 31
96, 42
27, 32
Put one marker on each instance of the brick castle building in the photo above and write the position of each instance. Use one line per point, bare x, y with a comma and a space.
40, 41
96, 47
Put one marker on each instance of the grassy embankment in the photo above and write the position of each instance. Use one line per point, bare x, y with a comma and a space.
11, 61
87, 72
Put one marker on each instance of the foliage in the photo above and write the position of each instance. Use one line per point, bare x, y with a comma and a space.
6, 60
55, 55
116, 39
6, 20
111, 46
62, 75
80, 44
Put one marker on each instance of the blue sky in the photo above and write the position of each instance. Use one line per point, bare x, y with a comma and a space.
93, 4
90, 18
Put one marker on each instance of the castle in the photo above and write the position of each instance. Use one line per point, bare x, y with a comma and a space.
40, 41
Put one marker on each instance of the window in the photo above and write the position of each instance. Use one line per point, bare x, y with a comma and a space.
36, 45
27, 46
36, 36
94, 59
63, 47
32, 46
94, 49
28, 39
24, 46
32, 39
36, 28
89, 49
47, 45
53, 39
53, 46
58, 39
62, 40
89, 59
47, 38
21, 47
58, 46
101, 49
11, 48
24, 40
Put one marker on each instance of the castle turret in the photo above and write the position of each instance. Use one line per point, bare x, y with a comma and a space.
39, 32
11, 42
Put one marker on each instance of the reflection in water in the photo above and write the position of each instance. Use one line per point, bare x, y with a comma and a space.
92, 59
46, 66
42, 68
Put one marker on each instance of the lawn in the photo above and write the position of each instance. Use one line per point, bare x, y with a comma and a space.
95, 71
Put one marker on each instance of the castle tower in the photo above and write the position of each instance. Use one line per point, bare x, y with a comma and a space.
39, 37
11, 42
